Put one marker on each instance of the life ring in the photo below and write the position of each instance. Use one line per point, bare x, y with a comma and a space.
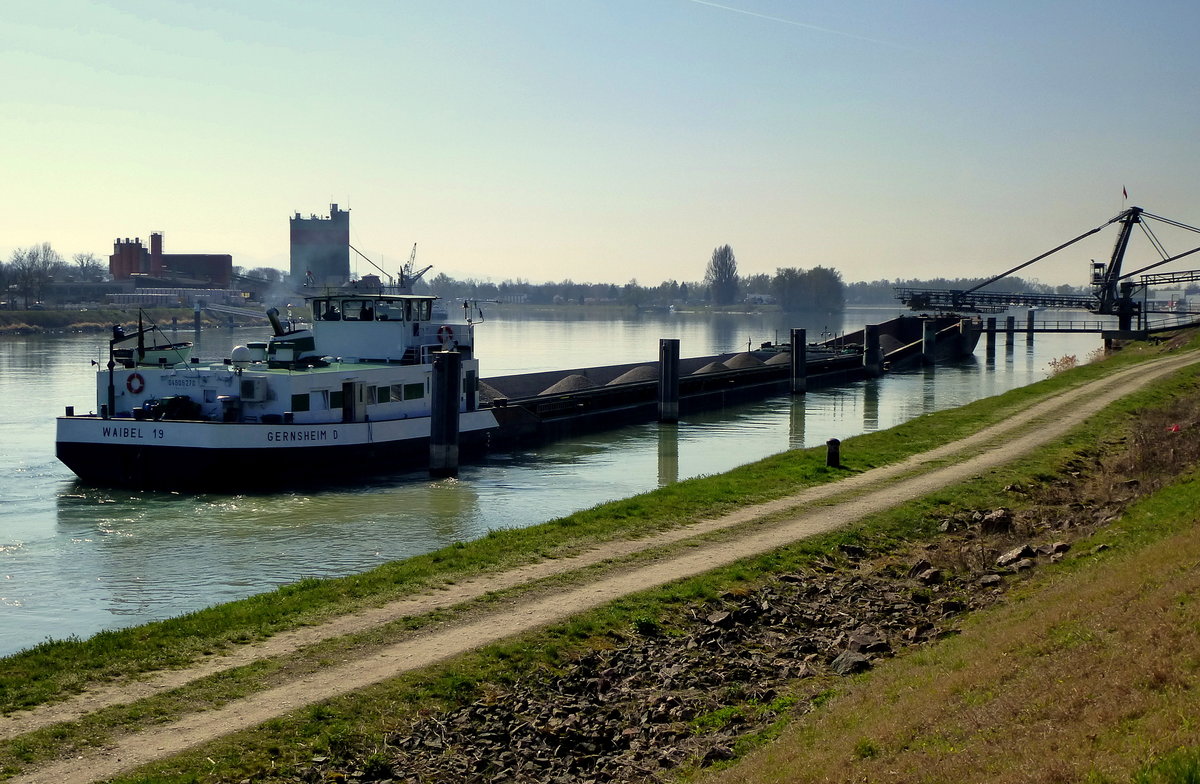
445, 334
135, 383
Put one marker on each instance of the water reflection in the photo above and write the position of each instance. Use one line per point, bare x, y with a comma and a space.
668, 453
928, 389
797, 414
870, 405
221, 545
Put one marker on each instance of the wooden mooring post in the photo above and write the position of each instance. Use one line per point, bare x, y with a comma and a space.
1029, 327
1010, 326
668, 380
991, 336
799, 361
443, 417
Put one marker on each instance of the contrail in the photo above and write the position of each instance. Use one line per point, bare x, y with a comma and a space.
794, 23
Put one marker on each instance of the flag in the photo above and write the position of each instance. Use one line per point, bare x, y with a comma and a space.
1124, 192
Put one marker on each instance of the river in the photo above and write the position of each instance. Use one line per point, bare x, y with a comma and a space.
75, 560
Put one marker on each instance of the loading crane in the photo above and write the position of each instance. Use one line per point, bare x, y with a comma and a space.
1113, 290
407, 276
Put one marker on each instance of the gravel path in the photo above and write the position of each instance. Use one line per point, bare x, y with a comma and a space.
763, 528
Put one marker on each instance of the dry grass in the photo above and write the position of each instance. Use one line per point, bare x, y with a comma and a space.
1084, 680
1087, 674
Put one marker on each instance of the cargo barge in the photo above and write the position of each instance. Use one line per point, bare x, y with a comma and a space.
356, 392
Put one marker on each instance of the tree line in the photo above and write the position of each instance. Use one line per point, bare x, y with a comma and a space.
26, 278
884, 291
819, 288
29, 272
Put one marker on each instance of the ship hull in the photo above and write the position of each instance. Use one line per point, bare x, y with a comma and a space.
183, 455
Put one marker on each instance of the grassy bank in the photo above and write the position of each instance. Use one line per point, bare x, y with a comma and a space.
27, 322
349, 728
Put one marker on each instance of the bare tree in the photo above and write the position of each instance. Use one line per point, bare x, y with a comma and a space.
268, 274
88, 267
33, 268
721, 276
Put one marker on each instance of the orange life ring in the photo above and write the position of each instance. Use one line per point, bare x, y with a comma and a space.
445, 334
135, 383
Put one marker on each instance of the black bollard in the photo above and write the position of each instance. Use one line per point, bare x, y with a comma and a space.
443, 424
833, 453
668, 380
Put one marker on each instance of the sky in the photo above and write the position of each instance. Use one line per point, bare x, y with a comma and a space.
605, 140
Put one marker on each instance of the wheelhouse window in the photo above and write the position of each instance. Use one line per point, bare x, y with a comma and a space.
326, 310
358, 310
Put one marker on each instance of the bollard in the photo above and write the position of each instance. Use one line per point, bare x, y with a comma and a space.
799, 361
928, 341
443, 416
833, 453
668, 380
872, 353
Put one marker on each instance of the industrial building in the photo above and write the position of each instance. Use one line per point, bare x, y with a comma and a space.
321, 249
130, 259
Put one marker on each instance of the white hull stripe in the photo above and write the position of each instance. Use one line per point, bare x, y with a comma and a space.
242, 435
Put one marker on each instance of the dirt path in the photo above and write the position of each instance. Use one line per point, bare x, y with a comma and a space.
813, 511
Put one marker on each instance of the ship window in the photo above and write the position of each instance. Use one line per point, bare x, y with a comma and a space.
383, 394
408, 310
300, 402
397, 392
335, 398
414, 391
426, 308
358, 310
